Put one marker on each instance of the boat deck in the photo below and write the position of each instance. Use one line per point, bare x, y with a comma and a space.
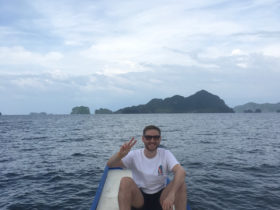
109, 197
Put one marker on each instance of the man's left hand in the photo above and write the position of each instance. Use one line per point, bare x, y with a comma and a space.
168, 203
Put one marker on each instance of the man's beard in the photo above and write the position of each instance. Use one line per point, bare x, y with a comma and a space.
152, 150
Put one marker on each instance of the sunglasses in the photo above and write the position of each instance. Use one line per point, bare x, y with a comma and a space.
148, 137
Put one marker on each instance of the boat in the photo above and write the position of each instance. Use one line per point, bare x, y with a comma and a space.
107, 192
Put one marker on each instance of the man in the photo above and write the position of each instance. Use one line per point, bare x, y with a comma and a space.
149, 167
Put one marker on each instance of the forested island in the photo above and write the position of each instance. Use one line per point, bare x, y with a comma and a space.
200, 102
80, 110
103, 111
257, 108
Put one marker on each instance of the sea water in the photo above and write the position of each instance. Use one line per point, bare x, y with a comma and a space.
55, 161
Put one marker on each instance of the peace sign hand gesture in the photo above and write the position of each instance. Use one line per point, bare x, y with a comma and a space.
125, 148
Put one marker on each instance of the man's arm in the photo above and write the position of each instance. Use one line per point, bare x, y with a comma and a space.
116, 159
178, 181
179, 177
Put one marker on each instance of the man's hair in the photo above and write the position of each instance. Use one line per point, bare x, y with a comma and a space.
151, 127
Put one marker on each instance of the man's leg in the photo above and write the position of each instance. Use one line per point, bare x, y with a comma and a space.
180, 196
129, 194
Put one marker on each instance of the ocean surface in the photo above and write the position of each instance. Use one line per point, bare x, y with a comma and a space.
55, 162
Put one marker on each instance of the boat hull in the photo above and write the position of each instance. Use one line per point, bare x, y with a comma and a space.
107, 192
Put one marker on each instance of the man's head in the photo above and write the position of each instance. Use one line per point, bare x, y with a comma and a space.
151, 127
151, 137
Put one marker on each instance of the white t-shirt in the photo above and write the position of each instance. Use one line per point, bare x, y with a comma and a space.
150, 173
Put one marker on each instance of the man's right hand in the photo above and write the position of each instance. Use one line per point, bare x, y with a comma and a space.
116, 159
125, 148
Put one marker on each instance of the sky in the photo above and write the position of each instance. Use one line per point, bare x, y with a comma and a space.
55, 55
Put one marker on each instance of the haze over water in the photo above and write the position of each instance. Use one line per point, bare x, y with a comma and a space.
55, 162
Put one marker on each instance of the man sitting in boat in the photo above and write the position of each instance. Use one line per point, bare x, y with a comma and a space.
150, 165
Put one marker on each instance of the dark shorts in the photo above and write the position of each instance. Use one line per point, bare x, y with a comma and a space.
151, 201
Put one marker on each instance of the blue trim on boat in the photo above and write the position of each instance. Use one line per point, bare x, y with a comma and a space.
99, 189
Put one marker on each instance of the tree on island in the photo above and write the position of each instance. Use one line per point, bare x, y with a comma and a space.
80, 110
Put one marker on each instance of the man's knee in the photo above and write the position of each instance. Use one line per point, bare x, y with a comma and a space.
125, 183
129, 193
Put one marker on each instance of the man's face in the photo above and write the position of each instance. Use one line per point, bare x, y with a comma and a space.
151, 140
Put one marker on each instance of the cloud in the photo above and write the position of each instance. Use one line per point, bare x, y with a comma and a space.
237, 52
272, 50
18, 56
108, 52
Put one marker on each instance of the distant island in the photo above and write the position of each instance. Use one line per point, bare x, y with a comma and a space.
80, 110
103, 111
200, 102
257, 108
38, 113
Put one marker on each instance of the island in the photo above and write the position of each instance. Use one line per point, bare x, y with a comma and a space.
200, 102
263, 108
80, 110
103, 111
38, 113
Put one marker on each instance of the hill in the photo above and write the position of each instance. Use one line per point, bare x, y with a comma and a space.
252, 107
200, 102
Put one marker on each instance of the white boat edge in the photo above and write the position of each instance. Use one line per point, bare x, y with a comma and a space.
107, 193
